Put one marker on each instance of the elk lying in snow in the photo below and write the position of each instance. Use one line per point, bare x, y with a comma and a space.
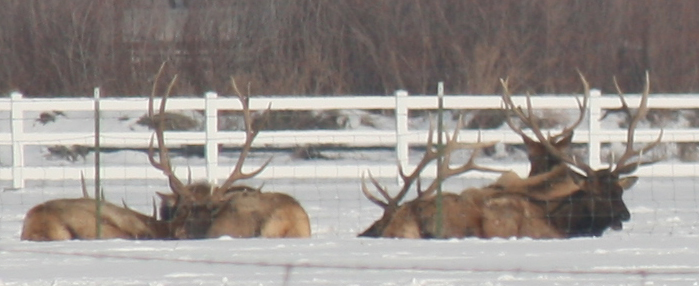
65, 219
485, 212
211, 211
596, 203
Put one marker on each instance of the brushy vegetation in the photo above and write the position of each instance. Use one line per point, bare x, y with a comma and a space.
57, 47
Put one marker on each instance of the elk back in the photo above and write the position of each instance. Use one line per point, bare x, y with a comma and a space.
246, 213
515, 216
418, 219
65, 219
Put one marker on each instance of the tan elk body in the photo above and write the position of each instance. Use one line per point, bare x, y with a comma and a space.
66, 219
240, 213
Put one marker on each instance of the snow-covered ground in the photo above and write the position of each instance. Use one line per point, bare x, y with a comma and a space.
659, 246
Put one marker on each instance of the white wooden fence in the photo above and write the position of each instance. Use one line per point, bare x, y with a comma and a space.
401, 137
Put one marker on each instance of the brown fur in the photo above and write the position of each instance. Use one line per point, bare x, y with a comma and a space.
418, 219
552, 184
513, 216
507, 214
241, 213
65, 219
477, 212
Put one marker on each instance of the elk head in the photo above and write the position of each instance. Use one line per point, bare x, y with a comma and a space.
392, 205
197, 204
597, 204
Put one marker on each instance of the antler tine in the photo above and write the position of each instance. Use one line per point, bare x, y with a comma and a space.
155, 209
621, 165
581, 106
431, 154
408, 179
529, 119
389, 201
83, 185
445, 171
250, 134
164, 164
534, 126
470, 164
624, 107
510, 109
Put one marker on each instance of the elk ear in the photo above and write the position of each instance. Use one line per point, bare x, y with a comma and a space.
227, 196
565, 142
532, 145
627, 182
167, 199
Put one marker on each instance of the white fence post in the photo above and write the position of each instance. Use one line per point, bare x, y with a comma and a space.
401, 111
594, 141
98, 166
211, 146
17, 127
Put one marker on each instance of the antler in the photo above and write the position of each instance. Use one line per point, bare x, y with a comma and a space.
444, 169
164, 164
532, 121
430, 155
529, 118
250, 134
622, 167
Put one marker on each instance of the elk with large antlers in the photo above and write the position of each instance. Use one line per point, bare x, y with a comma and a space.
474, 213
596, 203
226, 210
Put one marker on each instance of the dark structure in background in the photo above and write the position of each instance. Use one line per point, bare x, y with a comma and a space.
57, 47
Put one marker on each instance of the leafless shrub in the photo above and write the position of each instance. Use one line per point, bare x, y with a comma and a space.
308, 152
291, 120
70, 153
688, 152
50, 47
486, 119
49, 116
173, 121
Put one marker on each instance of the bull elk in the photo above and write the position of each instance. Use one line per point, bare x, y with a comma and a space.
473, 213
596, 203
66, 219
210, 211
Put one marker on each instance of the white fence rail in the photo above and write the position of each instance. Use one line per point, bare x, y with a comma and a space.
402, 137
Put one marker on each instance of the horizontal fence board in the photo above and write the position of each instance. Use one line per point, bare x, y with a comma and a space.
399, 138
